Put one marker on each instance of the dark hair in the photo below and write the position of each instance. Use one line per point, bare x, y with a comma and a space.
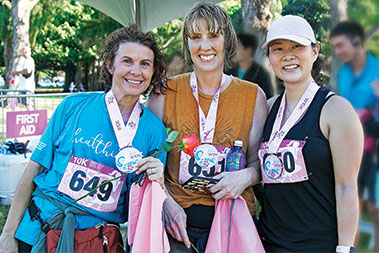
317, 66
350, 29
217, 21
131, 33
248, 40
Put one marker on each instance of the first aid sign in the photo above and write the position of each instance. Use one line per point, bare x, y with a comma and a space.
26, 123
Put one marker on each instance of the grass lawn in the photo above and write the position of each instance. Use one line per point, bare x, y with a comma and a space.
364, 239
40, 90
3, 216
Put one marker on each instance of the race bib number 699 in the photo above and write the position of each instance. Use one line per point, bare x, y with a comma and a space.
83, 175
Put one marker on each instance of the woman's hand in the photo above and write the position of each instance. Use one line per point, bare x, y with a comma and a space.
8, 243
231, 185
176, 220
153, 168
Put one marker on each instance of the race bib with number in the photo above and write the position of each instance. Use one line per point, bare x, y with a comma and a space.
291, 158
189, 168
83, 175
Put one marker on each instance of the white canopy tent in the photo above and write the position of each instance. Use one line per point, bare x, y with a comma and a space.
147, 14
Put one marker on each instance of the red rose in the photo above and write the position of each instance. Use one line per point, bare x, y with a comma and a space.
189, 143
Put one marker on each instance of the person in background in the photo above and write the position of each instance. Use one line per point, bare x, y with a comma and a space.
230, 109
176, 66
81, 87
310, 152
26, 75
246, 68
355, 83
71, 87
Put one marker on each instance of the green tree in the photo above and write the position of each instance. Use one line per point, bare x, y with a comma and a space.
21, 10
67, 37
366, 13
317, 13
169, 36
6, 39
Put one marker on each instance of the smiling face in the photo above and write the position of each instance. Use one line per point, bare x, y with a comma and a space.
206, 48
291, 61
132, 70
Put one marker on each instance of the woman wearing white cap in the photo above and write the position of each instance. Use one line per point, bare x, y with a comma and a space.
310, 153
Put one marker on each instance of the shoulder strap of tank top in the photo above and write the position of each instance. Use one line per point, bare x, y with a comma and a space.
325, 95
276, 104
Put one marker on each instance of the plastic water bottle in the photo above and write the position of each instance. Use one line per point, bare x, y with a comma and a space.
235, 158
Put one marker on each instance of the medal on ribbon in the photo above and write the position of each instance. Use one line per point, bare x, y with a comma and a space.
272, 165
127, 159
206, 155
128, 156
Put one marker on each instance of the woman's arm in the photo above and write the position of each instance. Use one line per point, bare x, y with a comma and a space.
175, 217
233, 184
20, 203
342, 127
155, 104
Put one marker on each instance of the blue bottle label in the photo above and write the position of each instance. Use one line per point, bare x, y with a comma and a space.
233, 163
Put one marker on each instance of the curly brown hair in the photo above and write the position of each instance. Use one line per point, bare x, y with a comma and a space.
217, 20
131, 33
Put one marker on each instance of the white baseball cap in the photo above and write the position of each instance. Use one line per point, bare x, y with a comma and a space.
293, 28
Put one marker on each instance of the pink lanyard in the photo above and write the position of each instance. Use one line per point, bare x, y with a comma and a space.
206, 124
278, 134
124, 133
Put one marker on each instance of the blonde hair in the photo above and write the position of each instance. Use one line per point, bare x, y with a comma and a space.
217, 20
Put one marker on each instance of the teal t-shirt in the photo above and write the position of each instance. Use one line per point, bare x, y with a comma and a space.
241, 73
81, 126
357, 89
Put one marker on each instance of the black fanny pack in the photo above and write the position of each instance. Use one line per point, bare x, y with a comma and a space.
26, 76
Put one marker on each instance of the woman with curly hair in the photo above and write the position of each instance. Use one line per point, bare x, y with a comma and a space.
93, 137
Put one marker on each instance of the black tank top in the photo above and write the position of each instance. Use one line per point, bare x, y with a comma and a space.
302, 216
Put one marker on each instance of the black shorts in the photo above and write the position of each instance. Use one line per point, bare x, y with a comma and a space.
367, 177
23, 247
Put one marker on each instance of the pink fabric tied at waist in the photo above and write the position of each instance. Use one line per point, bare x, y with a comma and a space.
242, 237
145, 226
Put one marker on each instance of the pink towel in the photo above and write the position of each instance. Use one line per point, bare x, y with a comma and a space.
369, 141
145, 226
243, 234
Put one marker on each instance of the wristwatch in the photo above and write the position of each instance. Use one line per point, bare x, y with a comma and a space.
345, 249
